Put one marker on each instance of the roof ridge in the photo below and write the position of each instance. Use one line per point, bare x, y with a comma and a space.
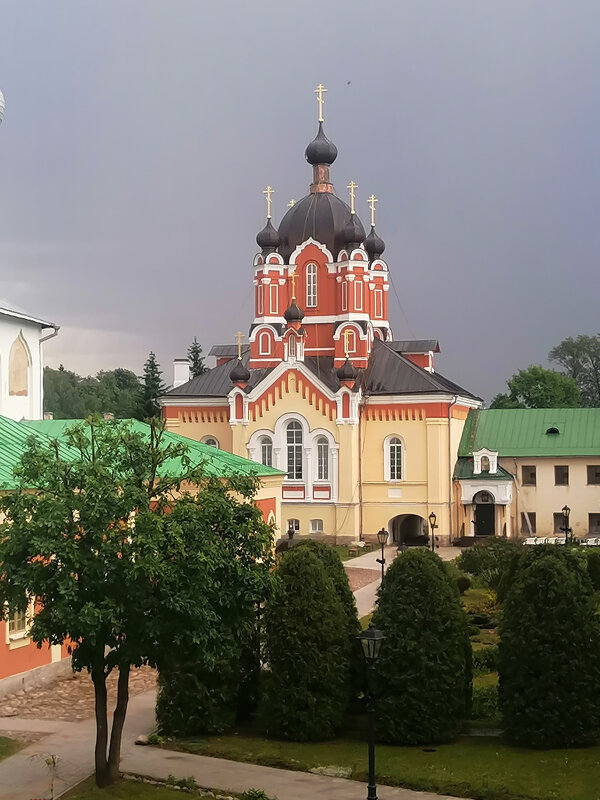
415, 367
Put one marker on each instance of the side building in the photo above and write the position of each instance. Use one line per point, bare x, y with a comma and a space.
518, 468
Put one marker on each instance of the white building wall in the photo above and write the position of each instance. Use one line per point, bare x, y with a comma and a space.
30, 406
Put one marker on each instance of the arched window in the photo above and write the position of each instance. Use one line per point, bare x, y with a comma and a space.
293, 526
485, 464
210, 441
294, 451
322, 459
266, 451
311, 286
393, 465
264, 344
18, 368
292, 346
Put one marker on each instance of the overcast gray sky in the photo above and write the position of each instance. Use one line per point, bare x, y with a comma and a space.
139, 135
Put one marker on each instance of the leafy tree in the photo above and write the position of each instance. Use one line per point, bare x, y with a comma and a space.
305, 690
120, 393
153, 386
122, 544
69, 396
549, 652
196, 359
536, 387
580, 358
424, 668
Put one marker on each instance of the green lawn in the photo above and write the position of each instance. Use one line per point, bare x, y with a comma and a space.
8, 747
486, 679
123, 790
344, 551
477, 767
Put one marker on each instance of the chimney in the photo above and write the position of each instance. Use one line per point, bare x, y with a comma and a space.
181, 371
108, 415
48, 415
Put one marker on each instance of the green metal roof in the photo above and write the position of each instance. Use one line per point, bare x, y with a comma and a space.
464, 471
217, 463
522, 432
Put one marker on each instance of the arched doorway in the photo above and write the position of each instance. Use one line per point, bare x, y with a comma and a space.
484, 514
407, 529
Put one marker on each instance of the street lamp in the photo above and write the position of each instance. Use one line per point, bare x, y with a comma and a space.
371, 641
432, 524
566, 511
382, 537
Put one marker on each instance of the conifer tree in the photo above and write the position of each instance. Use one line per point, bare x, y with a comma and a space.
196, 359
153, 386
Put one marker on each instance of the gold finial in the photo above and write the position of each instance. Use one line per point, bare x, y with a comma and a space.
352, 186
291, 203
319, 92
346, 337
268, 192
372, 201
292, 278
239, 337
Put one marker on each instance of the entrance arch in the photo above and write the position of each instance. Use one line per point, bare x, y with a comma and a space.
407, 528
484, 514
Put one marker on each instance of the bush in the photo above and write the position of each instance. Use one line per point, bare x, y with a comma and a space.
485, 659
489, 561
424, 669
306, 686
485, 702
549, 652
593, 567
462, 581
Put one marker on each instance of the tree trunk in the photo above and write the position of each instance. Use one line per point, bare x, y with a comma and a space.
114, 753
99, 679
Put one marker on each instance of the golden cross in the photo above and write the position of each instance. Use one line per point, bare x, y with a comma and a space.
268, 192
346, 337
291, 203
319, 92
239, 336
352, 186
292, 278
372, 201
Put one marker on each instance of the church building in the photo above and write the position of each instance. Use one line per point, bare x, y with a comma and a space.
363, 426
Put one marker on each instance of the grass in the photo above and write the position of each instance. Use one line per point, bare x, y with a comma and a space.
8, 747
485, 637
478, 767
485, 679
122, 790
364, 621
346, 553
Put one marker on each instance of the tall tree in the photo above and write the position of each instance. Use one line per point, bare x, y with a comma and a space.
580, 358
69, 396
196, 359
536, 387
121, 563
153, 386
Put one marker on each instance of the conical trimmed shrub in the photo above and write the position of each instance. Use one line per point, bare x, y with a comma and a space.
306, 682
549, 653
424, 668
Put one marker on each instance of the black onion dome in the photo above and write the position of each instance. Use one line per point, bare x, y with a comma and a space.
268, 238
321, 150
293, 313
321, 216
354, 233
346, 372
239, 374
374, 244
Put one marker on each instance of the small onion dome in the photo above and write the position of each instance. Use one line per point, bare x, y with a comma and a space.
293, 313
321, 150
354, 233
239, 374
374, 244
346, 372
268, 238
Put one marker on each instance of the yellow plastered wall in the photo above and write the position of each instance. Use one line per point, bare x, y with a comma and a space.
197, 430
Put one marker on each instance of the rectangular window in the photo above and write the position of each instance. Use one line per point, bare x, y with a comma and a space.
524, 527
273, 298
293, 525
316, 526
378, 303
593, 474
259, 300
17, 622
594, 524
344, 296
358, 295
561, 475
559, 522
528, 476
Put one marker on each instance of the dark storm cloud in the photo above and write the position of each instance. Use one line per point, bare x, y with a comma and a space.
138, 138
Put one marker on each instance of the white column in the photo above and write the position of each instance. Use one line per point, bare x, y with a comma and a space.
308, 475
334, 473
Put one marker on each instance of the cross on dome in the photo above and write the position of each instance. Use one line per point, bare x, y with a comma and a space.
372, 201
268, 192
319, 92
239, 336
352, 186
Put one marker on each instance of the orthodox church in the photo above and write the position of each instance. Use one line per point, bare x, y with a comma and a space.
364, 429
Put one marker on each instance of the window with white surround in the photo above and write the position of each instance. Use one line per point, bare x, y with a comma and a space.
264, 344
294, 525
17, 622
291, 346
210, 440
344, 296
322, 459
316, 526
378, 299
393, 452
294, 451
311, 286
273, 298
358, 295
266, 451
260, 310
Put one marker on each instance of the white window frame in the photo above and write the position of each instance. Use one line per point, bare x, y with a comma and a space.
291, 349
209, 439
378, 303
344, 295
322, 444
316, 526
262, 336
387, 460
274, 298
266, 446
295, 524
311, 285
298, 446
15, 637
358, 295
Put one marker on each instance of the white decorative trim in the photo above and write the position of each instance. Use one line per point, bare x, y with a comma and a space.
261, 327
193, 401
386, 458
492, 456
501, 491
304, 244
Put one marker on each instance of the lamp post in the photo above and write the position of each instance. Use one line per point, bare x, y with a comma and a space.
371, 641
382, 537
566, 511
433, 526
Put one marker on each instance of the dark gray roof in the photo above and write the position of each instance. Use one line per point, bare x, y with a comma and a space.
227, 350
389, 372
415, 345
216, 382
322, 367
